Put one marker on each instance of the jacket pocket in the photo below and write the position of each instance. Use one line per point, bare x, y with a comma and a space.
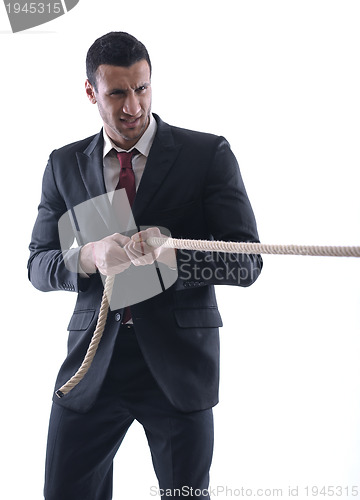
206, 317
81, 320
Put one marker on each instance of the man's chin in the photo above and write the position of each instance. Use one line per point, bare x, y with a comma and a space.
132, 134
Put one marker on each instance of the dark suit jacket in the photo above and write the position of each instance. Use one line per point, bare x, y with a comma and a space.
192, 186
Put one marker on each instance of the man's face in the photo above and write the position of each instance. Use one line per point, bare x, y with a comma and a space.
123, 96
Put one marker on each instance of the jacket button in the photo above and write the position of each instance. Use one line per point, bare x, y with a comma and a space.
117, 317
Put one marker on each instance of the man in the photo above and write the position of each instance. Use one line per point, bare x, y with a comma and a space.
160, 365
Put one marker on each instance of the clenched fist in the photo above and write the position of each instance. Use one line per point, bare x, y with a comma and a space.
106, 255
141, 254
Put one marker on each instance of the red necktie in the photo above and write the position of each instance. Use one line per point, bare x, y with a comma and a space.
127, 177
127, 182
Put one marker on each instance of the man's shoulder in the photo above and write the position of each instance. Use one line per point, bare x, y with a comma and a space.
195, 138
197, 134
185, 135
77, 146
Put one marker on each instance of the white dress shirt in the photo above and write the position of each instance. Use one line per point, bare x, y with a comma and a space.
111, 162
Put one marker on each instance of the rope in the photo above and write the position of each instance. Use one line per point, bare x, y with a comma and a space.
257, 248
95, 341
201, 245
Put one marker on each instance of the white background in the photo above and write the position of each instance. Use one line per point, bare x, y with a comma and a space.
280, 80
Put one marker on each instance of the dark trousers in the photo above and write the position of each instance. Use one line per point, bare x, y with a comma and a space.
81, 446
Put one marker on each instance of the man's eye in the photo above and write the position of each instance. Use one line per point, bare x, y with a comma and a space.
142, 88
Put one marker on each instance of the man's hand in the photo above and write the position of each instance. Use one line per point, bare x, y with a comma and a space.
115, 253
141, 254
106, 255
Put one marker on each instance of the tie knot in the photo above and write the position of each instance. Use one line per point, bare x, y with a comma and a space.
125, 158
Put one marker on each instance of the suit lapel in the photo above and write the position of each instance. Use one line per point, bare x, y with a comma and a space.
91, 169
162, 156
91, 166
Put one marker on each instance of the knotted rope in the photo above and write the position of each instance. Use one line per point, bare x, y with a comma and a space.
95, 340
201, 245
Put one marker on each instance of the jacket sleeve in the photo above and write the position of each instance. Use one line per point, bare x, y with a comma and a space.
229, 217
50, 268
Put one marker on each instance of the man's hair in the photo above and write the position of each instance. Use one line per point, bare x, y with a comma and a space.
116, 49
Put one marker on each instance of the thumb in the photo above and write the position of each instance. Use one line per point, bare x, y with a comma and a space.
121, 239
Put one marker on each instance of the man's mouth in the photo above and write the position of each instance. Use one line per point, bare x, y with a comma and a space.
130, 123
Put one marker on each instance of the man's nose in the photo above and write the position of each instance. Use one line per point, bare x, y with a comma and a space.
131, 104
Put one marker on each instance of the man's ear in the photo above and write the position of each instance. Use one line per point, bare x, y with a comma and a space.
90, 92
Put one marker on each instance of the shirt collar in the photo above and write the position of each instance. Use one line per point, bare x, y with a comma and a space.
143, 145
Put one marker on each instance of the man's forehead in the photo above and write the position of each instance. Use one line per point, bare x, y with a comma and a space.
137, 73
